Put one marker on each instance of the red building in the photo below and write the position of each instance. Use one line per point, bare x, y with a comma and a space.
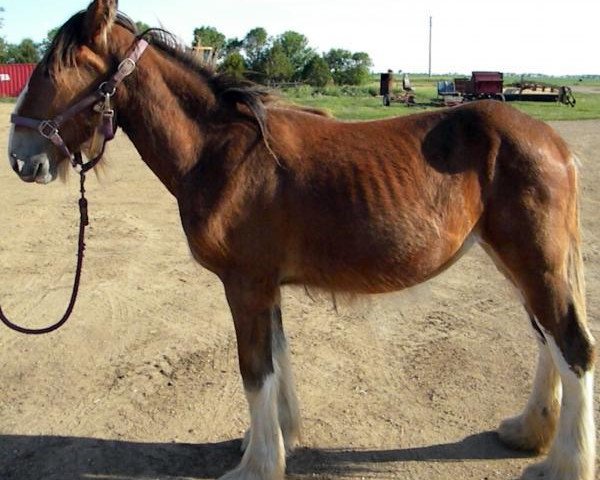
14, 77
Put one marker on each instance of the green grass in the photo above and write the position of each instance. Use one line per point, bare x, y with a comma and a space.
569, 80
362, 104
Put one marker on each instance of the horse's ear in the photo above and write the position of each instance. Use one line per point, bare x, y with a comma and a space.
99, 19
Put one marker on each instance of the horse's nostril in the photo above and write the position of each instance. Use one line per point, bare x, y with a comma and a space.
15, 162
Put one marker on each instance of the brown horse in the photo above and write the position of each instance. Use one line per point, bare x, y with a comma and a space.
272, 195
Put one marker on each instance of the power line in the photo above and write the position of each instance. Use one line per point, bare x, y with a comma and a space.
430, 39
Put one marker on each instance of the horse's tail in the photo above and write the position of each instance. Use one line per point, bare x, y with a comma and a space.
575, 268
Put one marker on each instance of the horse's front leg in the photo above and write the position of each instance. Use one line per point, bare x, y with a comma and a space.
289, 415
252, 306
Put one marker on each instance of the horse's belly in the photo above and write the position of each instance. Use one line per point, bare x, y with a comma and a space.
375, 265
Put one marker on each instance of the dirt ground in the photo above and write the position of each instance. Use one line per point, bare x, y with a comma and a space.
143, 383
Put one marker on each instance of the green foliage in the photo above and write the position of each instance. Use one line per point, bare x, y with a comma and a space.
284, 58
3, 51
277, 66
46, 42
348, 68
338, 60
3, 46
295, 47
24, 52
210, 37
234, 65
141, 27
316, 72
233, 45
255, 45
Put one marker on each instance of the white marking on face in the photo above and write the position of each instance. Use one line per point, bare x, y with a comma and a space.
12, 125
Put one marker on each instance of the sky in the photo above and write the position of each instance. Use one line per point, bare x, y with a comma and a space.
556, 37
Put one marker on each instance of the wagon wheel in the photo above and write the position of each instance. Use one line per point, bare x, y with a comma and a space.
569, 97
565, 96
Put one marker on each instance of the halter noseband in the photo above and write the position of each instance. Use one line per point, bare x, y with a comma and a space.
49, 129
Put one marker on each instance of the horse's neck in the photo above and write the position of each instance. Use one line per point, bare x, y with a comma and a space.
164, 114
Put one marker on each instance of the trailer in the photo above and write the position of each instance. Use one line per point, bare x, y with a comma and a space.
539, 92
481, 85
14, 77
484, 85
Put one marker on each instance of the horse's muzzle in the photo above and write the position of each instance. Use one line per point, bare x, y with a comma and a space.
33, 169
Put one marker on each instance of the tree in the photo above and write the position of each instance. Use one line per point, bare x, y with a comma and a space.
210, 37
46, 42
277, 66
348, 68
24, 52
316, 72
255, 45
233, 45
234, 65
141, 27
358, 73
3, 51
339, 61
295, 47
3, 46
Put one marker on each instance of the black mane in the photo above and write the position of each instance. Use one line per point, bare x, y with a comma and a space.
229, 91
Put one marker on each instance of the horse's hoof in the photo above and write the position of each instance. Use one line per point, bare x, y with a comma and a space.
529, 435
542, 471
290, 442
538, 471
250, 474
547, 471
245, 441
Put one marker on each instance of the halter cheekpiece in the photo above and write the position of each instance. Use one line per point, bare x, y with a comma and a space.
100, 99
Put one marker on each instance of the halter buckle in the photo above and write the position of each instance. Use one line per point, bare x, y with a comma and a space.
48, 129
126, 67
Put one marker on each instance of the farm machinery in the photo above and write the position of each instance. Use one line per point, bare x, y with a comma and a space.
386, 86
539, 92
484, 85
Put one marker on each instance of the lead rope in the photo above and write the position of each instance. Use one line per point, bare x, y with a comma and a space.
83, 222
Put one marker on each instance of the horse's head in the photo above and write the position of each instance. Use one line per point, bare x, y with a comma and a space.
78, 61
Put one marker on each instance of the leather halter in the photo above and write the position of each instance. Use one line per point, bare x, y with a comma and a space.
49, 129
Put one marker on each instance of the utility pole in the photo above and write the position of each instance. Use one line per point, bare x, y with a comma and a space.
430, 37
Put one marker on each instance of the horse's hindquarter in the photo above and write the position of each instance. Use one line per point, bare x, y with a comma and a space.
378, 206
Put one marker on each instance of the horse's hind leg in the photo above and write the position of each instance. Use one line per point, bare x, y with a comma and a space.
537, 240
252, 305
534, 429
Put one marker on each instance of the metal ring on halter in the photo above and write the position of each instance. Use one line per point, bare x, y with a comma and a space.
48, 129
109, 93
